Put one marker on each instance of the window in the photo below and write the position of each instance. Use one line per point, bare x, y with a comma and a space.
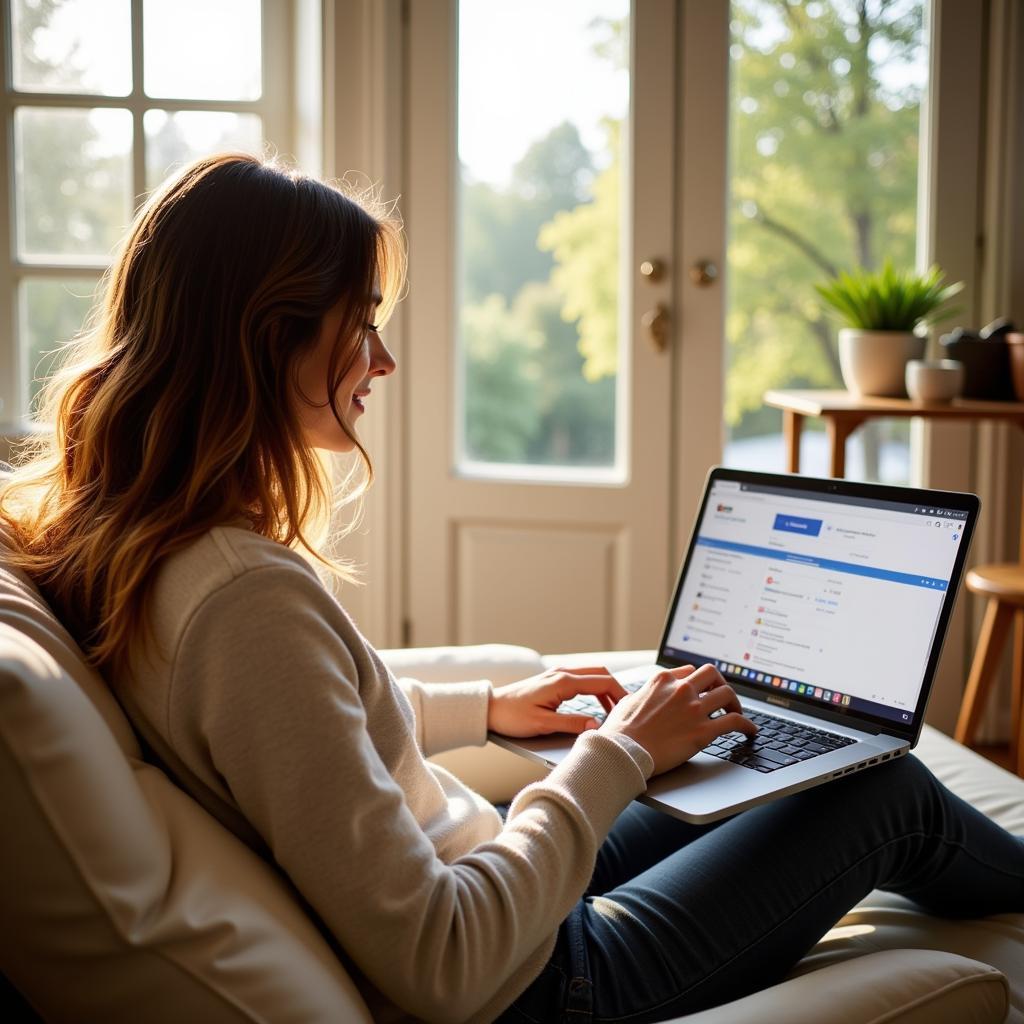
102, 100
825, 154
540, 201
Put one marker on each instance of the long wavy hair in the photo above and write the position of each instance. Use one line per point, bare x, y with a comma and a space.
178, 408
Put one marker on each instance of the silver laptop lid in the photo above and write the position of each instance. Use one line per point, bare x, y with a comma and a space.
827, 596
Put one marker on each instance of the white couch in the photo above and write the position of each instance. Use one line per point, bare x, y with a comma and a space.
122, 900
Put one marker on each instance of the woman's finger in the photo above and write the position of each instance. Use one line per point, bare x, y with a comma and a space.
682, 672
720, 697
596, 685
574, 724
707, 677
733, 722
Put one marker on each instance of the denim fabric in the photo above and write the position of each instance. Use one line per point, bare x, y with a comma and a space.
679, 918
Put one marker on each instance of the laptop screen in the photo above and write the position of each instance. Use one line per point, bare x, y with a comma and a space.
832, 598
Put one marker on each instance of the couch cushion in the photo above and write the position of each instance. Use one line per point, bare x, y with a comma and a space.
906, 986
501, 663
118, 892
993, 790
23, 607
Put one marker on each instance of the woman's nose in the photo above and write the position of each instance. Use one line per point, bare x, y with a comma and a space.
382, 362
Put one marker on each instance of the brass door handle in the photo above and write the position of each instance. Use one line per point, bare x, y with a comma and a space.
653, 270
703, 273
656, 323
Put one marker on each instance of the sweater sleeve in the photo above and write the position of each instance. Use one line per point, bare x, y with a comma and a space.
267, 690
448, 715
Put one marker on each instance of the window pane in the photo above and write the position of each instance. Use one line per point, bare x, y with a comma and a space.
72, 174
824, 137
539, 205
173, 140
202, 49
52, 313
72, 46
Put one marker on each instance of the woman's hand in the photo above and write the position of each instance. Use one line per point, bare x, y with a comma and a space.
670, 715
530, 707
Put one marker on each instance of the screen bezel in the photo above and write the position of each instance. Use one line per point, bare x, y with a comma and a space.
813, 486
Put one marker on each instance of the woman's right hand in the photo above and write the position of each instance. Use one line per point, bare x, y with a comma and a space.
670, 715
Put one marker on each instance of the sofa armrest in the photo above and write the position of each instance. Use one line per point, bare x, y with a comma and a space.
901, 986
501, 663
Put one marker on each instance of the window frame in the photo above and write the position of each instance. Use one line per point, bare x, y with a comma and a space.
273, 106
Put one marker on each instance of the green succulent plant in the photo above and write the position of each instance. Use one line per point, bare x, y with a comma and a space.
888, 299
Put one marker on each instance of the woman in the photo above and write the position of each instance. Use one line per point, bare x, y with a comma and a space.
173, 522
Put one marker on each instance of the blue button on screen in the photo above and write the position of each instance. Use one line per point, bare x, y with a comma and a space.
798, 524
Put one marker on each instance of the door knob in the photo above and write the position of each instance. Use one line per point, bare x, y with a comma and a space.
703, 273
653, 270
656, 322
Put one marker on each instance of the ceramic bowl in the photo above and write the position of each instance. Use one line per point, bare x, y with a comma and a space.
934, 380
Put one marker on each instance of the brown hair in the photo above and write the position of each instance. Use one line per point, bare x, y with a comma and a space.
177, 409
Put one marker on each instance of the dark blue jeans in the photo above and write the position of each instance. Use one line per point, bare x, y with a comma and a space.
678, 917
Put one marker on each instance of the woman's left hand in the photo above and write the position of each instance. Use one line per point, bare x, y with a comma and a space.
530, 707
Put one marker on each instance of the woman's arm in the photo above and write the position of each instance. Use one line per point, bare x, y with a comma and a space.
277, 697
448, 715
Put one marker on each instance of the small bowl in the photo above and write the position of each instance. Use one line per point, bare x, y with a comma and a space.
934, 380
1016, 343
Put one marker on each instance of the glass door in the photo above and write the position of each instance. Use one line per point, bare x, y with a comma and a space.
538, 371
540, 210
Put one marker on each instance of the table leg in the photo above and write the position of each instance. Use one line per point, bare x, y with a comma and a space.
792, 426
991, 640
1017, 697
838, 432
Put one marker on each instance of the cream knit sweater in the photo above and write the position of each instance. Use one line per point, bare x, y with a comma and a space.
264, 701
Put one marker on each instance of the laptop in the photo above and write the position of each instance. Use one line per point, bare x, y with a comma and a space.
824, 604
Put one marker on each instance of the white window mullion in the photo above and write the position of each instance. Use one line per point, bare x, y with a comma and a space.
138, 106
10, 368
277, 101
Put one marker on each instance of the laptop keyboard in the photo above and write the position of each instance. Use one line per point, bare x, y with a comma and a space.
778, 743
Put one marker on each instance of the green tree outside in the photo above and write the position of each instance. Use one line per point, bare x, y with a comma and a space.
824, 155
823, 158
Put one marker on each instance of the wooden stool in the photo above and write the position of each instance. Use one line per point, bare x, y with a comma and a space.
1004, 585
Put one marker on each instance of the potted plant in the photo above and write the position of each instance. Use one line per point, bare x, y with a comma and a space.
883, 311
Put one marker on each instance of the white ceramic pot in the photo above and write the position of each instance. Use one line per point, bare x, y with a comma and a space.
934, 380
875, 362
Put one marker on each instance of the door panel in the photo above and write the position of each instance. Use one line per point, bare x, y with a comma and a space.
549, 557
580, 579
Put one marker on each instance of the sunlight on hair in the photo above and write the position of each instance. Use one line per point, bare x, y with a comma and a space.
177, 408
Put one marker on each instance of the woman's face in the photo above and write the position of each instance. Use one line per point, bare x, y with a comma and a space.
372, 359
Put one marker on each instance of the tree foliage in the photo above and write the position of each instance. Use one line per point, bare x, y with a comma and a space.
823, 157
823, 174
526, 396
585, 245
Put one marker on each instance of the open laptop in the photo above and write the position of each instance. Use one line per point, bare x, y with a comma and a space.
824, 604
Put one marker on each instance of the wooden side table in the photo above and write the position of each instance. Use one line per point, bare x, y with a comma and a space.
843, 413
